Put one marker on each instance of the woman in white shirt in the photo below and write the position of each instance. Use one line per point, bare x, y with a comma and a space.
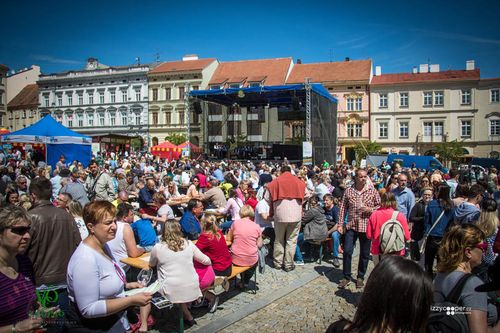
95, 281
173, 257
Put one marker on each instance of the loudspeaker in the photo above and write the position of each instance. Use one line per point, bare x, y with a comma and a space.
197, 107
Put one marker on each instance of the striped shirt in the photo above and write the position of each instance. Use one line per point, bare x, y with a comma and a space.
351, 204
17, 294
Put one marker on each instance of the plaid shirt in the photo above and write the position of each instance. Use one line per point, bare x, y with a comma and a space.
351, 203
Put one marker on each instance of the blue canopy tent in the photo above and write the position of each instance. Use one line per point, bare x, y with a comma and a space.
291, 103
58, 139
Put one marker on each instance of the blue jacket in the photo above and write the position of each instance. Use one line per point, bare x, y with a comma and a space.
144, 232
190, 226
432, 213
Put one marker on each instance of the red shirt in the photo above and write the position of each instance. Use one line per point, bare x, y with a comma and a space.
252, 202
215, 249
375, 223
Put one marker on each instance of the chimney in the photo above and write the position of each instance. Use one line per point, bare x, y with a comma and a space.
415, 70
378, 70
434, 68
424, 68
347, 59
470, 65
189, 57
299, 61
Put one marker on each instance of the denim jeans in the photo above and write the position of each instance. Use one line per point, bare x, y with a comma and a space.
335, 243
364, 253
225, 226
298, 252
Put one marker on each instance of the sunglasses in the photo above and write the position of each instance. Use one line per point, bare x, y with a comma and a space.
482, 246
20, 230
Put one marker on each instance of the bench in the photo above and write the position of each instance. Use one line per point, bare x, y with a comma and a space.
320, 244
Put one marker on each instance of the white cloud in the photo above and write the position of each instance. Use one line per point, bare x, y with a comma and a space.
54, 60
461, 37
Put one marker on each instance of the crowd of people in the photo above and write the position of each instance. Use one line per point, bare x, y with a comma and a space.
65, 230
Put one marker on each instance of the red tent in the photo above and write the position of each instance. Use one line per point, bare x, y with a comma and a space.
4, 131
194, 148
166, 150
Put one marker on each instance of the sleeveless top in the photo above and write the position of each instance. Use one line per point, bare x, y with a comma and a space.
117, 245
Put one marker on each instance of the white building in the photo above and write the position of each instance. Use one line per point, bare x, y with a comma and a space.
411, 112
16, 81
98, 100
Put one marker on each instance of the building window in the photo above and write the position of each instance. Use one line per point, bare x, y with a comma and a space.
80, 99
168, 94
101, 97
112, 97
112, 119
124, 96
383, 130
137, 95
137, 118
59, 100
404, 129
181, 118
46, 100
438, 98
101, 119
403, 99
254, 84
214, 87
155, 94
70, 99
235, 85
254, 127
79, 119
90, 119
91, 97
354, 130
69, 120
59, 118
215, 128
428, 98
181, 92
495, 95
155, 118
298, 130
195, 118
465, 128
24, 114
428, 128
438, 128
494, 127
354, 104
382, 100
465, 100
124, 118
195, 88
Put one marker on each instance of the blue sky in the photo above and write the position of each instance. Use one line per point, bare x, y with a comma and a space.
397, 35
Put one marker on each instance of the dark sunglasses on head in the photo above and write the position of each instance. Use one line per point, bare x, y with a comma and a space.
20, 230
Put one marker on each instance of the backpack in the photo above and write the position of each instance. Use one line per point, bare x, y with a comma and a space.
448, 316
392, 235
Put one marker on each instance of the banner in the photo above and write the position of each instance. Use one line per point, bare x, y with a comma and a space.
307, 152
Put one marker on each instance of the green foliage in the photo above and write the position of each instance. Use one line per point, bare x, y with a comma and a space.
176, 138
449, 151
362, 148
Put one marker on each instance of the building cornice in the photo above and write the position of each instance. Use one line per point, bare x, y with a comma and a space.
419, 113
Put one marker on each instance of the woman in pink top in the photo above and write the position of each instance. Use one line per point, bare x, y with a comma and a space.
388, 206
246, 238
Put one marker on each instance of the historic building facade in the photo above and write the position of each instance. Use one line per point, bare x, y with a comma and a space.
17, 80
22, 109
411, 112
348, 81
98, 100
487, 120
168, 84
3, 95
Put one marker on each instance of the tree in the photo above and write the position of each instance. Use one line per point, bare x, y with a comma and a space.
449, 151
176, 138
362, 148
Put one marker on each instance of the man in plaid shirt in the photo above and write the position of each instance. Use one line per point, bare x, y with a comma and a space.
359, 202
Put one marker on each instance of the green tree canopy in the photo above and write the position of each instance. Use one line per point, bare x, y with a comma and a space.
362, 148
176, 138
449, 151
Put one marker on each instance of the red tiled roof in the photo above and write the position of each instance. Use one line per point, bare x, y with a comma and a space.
237, 79
452, 75
27, 97
275, 70
182, 66
342, 71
